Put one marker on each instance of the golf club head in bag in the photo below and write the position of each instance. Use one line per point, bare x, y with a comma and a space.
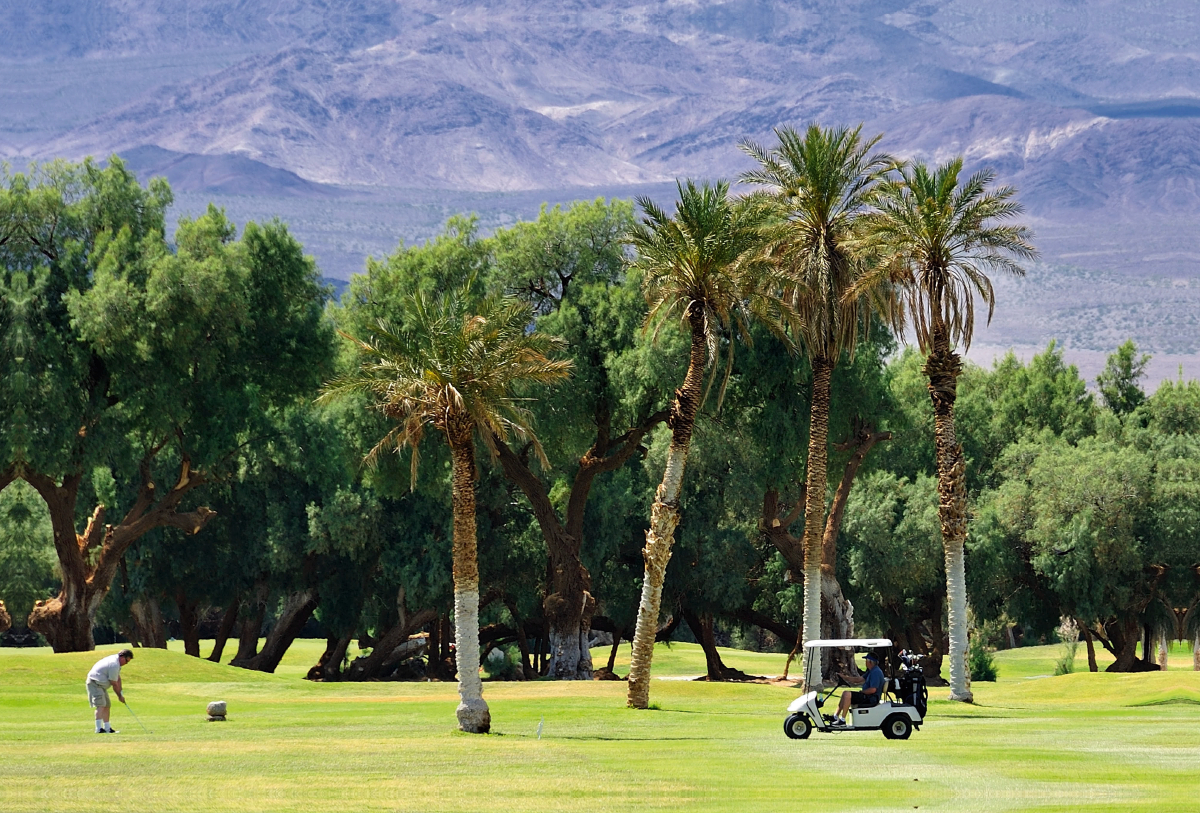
913, 690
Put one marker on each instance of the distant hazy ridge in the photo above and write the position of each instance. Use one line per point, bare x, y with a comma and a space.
1091, 108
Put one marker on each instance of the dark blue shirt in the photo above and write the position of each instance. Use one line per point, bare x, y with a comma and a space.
874, 679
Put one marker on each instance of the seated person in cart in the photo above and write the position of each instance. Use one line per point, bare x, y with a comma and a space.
870, 695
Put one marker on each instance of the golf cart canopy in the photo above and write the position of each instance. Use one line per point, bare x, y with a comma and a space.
870, 643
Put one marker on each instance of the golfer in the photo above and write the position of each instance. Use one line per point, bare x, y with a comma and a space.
106, 672
872, 689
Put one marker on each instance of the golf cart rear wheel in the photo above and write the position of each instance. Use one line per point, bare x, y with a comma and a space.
797, 727
897, 727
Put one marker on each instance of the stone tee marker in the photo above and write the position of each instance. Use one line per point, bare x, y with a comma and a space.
216, 711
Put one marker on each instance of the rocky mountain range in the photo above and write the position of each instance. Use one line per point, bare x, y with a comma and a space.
1086, 105
1092, 109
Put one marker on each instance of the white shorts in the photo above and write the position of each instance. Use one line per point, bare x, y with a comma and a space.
97, 695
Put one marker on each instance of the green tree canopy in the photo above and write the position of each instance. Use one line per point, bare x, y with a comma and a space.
153, 361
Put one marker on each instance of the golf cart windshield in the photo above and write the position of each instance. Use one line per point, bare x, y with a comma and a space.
812, 653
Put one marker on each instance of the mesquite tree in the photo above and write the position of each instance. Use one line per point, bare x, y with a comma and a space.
148, 360
570, 266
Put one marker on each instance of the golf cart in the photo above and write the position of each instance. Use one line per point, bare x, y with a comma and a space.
895, 717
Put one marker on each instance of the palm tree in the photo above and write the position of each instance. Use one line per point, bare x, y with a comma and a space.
456, 369
819, 185
938, 238
692, 271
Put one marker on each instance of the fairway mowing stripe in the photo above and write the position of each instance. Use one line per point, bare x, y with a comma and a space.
714, 747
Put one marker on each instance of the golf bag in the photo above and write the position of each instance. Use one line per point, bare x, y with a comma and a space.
910, 683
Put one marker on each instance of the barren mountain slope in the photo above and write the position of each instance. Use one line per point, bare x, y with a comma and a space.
1066, 97
1092, 109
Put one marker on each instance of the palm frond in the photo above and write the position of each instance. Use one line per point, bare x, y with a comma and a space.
937, 237
820, 184
453, 361
696, 267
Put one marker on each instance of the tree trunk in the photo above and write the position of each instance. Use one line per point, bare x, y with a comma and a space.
382, 654
815, 486
228, 620
837, 613
1091, 647
474, 717
787, 665
569, 606
1164, 650
702, 628
434, 654
936, 652
67, 619
837, 621
446, 653
956, 598
942, 368
1196, 653
188, 624
612, 653
328, 668
252, 622
148, 623
1124, 636
527, 672
297, 610
664, 514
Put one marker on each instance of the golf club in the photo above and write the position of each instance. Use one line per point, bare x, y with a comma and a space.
135, 717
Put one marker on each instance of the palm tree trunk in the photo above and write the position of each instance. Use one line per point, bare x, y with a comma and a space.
837, 613
664, 516
473, 714
942, 369
814, 508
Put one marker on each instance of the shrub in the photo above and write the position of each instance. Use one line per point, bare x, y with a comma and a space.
1068, 633
502, 663
980, 662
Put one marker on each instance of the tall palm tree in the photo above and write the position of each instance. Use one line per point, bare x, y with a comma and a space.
692, 271
456, 368
939, 238
819, 184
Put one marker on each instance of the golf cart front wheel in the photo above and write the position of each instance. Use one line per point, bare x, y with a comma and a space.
897, 727
797, 727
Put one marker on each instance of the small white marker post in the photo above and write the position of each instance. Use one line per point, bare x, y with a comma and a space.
540, 722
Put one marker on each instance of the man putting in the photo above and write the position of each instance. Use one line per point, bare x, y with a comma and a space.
872, 689
106, 672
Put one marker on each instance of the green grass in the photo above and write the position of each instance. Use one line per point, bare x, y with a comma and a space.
1078, 742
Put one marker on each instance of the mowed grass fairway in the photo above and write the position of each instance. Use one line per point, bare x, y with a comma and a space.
1031, 742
